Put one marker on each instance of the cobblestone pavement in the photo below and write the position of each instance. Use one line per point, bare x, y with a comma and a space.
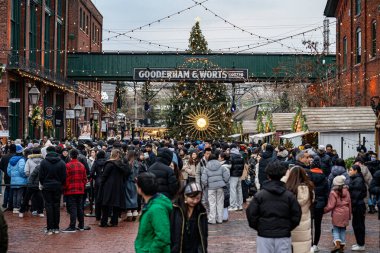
26, 235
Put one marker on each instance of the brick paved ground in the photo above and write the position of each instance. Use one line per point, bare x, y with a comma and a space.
235, 236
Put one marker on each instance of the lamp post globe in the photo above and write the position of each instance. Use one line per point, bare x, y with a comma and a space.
34, 95
77, 110
96, 114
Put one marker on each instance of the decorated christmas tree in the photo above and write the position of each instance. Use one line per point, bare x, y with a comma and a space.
199, 110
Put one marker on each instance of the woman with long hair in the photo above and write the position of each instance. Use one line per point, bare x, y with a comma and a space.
112, 190
130, 187
301, 186
188, 221
191, 165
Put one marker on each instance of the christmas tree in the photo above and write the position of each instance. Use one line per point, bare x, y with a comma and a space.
199, 110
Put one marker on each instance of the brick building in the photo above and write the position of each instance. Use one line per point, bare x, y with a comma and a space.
357, 47
36, 36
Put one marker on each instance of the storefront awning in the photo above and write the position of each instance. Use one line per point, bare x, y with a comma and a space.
293, 135
261, 135
234, 136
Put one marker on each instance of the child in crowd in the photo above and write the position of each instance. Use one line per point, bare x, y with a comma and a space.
339, 204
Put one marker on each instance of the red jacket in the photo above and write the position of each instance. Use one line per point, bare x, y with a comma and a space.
76, 178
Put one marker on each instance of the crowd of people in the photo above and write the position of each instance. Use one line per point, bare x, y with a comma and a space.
177, 189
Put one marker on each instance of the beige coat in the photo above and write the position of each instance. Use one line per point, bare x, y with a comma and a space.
301, 235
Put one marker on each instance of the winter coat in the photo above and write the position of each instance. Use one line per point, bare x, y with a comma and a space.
274, 211
97, 171
237, 163
199, 170
190, 169
130, 186
31, 163
326, 164
167, 181
3, 234
15, 170
215, 176
340, 207
337, 171
266, 158
321, 187
301, 235
177, 228
52, 172
76, 178
367, 176
358, 190
152, 159
154, 229
184, 173
374, 187
4, 167
33, 180
112, 191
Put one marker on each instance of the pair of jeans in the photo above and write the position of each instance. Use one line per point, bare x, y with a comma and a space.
318, 214
339, 234
274, 245
52, 205
37, 201
358, 223
8, 198
75, 206
236, 194
17, 197
106, 211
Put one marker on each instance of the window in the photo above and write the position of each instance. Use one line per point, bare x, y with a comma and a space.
33, 33
59, 47
345, 52
358, 45
15, 25
373, 40
358, 7
59, 7
87, 24
47, 42
80, 19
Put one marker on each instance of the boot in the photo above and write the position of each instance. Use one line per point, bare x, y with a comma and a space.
341, 248
371, 209
337, 247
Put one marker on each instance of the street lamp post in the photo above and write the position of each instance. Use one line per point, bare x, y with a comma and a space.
78, 111
106, 118
34, 96
95, 117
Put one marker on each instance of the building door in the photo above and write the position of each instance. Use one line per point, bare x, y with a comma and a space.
14, 112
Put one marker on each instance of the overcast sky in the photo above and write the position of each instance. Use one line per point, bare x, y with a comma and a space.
272, 19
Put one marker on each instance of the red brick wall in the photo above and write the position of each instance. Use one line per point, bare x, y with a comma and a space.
4, 44
360, 81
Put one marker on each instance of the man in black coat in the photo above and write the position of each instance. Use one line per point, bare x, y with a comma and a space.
326, 163
266, 157
274, 212
8, 196
52, 178
167, 181
236, 171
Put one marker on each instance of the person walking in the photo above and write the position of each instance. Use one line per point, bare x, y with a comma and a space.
52, 178
236, 171
301, 186
191, 165
339, 204
96, 174
188, 221
19, 180
76, 180
321, 191
112, 191
215, 177
154, 230
3, 234
274, 212
358, 192
374, 189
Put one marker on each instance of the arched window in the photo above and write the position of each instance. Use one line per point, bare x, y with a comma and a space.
358, 6
358, 50
344, 52
373, 39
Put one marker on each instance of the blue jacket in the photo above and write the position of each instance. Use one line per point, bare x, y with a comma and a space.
16, 171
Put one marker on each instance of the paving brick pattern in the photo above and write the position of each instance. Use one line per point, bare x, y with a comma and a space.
26, 235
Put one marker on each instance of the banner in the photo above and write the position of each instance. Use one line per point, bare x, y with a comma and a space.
70, 114
85, 132
49, 112
173, 74
4, 127
58, 119
88, 103
111, 134
103, 127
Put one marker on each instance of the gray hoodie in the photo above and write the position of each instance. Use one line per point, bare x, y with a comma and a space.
215, 175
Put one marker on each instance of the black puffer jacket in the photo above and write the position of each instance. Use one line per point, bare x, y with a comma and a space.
321, 185
358, 190
374, 187
167, 181
274, 211
266, 158
237, 164
4, 165
52, 172
177, 228
97, 171
326, 163
33, 180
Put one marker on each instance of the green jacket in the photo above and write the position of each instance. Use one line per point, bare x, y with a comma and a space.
4, 234
154, 229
